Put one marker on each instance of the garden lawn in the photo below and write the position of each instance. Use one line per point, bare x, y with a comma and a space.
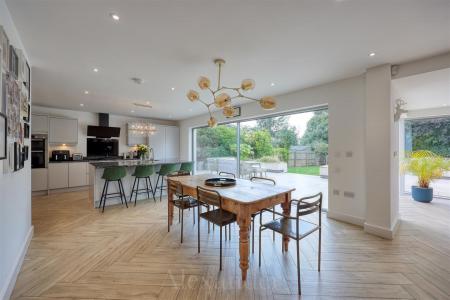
311, 170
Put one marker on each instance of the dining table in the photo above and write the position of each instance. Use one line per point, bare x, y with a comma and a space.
243, 199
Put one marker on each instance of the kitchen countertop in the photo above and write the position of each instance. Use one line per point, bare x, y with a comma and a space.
132, 162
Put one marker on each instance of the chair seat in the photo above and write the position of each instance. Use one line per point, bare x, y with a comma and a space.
287, 226
185, 202
213, 216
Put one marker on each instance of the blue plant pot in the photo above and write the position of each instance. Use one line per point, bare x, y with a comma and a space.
422, 194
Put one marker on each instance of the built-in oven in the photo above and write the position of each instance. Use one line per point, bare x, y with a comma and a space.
38, 151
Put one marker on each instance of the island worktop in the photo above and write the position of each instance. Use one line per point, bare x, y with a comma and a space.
133, 162
96, 182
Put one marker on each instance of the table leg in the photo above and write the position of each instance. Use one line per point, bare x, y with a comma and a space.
286, 205
244, 220
169, 204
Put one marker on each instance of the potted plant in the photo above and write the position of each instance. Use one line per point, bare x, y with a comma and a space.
142, 151
427, 166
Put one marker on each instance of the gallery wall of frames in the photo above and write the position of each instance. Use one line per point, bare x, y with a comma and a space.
15, 87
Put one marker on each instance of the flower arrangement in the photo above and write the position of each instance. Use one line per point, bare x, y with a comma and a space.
142, 150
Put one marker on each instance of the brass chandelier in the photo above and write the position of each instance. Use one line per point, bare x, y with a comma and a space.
221, 99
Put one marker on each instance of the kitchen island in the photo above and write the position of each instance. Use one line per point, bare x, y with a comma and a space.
96, 182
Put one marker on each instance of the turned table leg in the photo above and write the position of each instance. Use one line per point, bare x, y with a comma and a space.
244, 225
286, 205
169, 204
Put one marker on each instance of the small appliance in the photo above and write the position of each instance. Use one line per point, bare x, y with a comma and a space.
60, 155
77, 156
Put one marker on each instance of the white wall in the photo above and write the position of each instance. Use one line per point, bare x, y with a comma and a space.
345, 100
15, 197
89, 118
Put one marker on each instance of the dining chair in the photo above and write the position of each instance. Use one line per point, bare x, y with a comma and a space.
219, 216
296, 228
266, 181
182, 201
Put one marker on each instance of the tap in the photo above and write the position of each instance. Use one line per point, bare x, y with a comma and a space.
150, 152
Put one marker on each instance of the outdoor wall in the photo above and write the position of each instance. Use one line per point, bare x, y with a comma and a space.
15, 198
345, 100
90, 118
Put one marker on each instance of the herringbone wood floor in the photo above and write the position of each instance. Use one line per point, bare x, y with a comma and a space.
78, 253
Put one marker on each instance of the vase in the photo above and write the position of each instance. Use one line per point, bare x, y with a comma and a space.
421, 194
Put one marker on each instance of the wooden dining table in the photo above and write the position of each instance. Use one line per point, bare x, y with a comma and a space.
242, 199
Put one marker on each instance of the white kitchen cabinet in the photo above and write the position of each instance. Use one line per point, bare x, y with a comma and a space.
78, 174
172, 145
157, 141
39, 123
63, 130
58, 175
39, 179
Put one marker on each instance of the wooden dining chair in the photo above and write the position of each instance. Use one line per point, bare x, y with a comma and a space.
183, 202
266, 181
296, 228
219, 216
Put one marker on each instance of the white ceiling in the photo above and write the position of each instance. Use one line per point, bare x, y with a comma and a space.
422, 91
293, 43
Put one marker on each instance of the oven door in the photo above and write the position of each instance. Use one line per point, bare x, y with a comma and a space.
37, 159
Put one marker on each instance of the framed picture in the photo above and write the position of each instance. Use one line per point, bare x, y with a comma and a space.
4, 44
3, 136
28, 76
3, 93
13, 62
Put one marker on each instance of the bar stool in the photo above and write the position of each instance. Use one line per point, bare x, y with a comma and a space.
142, 172
165, 170
115, 173
186, 168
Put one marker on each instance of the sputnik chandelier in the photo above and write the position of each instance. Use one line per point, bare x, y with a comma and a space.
222, 99
142, 128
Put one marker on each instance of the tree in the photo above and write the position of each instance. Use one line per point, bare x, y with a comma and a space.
273, 125
316, 129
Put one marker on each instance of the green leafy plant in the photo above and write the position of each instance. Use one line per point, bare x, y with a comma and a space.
142, 150
426, 165
269, 159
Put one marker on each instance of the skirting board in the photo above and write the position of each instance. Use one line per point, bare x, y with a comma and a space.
7, 290
381, 231
345, 218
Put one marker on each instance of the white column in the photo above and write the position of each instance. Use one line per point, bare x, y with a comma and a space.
381, 149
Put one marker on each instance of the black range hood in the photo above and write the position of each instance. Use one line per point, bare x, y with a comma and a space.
103, 131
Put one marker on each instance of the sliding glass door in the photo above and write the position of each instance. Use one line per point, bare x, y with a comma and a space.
292, 149
214, 149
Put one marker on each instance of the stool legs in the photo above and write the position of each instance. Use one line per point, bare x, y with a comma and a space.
105, 194
148, 188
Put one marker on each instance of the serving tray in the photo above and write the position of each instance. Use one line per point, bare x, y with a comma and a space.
220, 182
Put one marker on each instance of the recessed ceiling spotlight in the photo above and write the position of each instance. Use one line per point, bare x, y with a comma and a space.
170, 116
190, 109
272, 84
172, 89
86, 92
95, 70
81, 104
372, 54
132, 111
115, 16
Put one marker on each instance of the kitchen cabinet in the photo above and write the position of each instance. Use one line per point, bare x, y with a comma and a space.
39, 123
39, 179
166, 142
78, 174
63, 130
58, 175
172, 144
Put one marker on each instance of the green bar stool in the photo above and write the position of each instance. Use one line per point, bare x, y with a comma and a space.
186, 168
164, 171
142, 172
115, 173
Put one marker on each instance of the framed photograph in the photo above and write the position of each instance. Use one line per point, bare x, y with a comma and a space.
4, 44
3, 93
13, 62
3, 136
26, 130
28, 76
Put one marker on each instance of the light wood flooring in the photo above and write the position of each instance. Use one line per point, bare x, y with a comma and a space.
79, 253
